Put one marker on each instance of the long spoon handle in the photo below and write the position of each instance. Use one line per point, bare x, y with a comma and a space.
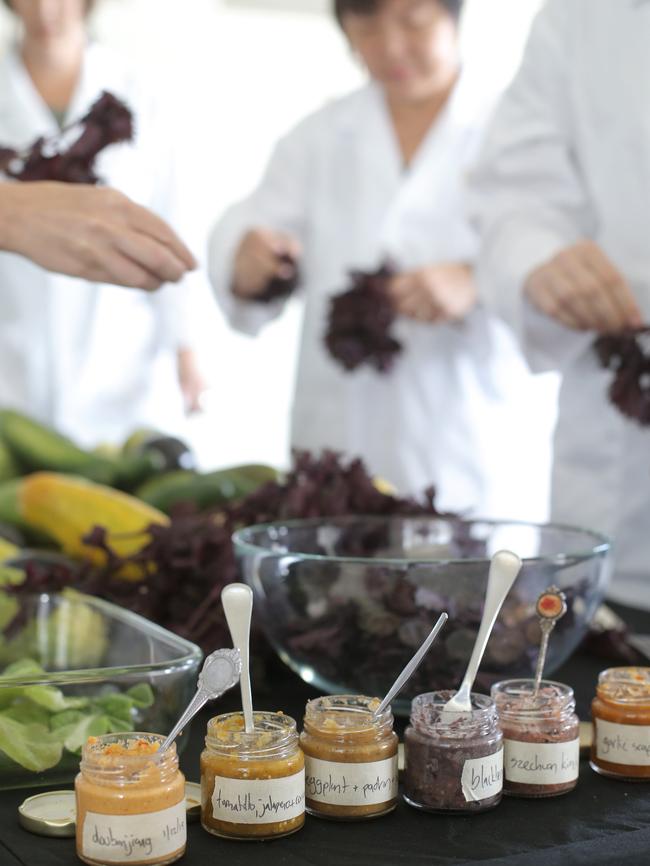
504, 568
237, 599
412, 666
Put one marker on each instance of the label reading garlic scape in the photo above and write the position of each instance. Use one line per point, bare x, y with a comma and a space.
482, 777
623, 744
258, 801
541, 763
134, 838
346, 784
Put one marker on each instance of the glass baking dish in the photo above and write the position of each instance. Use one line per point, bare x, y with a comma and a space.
79, 667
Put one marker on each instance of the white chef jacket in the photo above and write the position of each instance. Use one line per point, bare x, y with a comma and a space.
459, 408
568, 157
94, 361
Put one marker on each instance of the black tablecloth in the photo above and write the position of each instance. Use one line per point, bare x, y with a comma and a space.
601, 822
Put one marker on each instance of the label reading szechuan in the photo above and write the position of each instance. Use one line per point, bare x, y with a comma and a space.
258, 801
134, 838
623, 744
541, 763
483, 777
341, 784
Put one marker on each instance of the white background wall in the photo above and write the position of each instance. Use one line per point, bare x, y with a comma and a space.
237, 74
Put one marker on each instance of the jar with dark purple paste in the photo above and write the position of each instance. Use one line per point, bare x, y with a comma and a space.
454, 761
541, 737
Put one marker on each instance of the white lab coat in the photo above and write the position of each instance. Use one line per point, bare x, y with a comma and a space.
94, 361
568, 157
456, 410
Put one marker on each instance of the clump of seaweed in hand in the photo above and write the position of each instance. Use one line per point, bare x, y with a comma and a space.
280, 288
627, 355
70, 156
360, 321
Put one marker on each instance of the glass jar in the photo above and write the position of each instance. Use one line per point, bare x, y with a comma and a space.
454, 762
252, 785
541, 738
130, 806
621, 718
350, 758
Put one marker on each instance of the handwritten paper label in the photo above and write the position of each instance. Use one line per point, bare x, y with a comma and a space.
342, 784
258, 801
541, 763
482, 777
134, 838
623, 744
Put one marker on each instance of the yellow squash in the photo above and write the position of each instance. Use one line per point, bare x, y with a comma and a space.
67, 508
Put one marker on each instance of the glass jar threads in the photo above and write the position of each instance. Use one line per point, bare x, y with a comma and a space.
621, 718
350, 758
130, 805
454, 761
252, 785
541, 738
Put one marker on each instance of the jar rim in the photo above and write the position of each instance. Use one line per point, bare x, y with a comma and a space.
625, 685
552, 698
281, 731
426, 711
123, 767
361, 706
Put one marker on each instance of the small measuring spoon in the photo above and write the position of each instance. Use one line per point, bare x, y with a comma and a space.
504, 569
412, 666
237, 600
221, 671
551, 607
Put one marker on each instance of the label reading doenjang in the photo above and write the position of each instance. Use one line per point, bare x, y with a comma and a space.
134, 838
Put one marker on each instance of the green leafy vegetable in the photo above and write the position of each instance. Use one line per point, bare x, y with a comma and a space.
37, 722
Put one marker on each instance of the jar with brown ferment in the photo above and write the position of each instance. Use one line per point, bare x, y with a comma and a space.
252, 785
350, 758
541, 737
621, 720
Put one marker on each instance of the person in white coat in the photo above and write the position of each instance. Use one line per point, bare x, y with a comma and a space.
92, 360
562, 197
379, 176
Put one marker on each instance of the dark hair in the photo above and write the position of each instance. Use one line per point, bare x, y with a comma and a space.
368, 7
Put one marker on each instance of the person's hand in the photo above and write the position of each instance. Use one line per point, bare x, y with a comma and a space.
261, 257
192, 383
581, 288
439, 293
93, 233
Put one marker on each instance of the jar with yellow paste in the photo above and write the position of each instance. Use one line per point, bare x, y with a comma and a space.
350, 758
130, 802
252, 785
621, 718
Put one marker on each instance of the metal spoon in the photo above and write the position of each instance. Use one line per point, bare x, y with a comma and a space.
412, 666
504, 569
220, 672
237, 600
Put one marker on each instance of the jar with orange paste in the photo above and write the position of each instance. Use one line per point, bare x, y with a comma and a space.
130, 804
252, 785
350, 758
621, 718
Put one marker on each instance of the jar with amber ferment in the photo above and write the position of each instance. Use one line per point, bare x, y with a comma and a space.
252, 785
541, 737
621, 718
350, 758
454, 761
130, 804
